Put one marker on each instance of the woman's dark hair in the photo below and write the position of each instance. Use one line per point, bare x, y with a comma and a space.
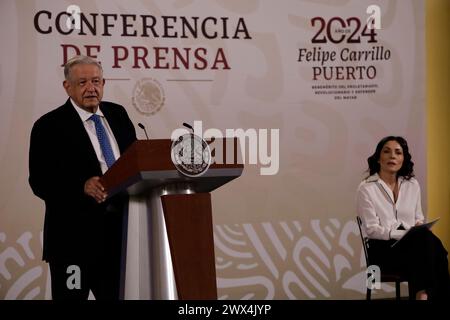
405, 171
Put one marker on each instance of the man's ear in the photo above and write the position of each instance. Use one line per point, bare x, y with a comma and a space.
66, 85
104, 81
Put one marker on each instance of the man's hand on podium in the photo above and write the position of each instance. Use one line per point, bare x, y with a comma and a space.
93, 188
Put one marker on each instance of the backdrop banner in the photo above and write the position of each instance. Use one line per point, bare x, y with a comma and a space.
309, 87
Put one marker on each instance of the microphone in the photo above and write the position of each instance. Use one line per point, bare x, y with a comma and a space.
143, 128
188, 126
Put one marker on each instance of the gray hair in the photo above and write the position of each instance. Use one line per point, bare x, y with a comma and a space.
80, 60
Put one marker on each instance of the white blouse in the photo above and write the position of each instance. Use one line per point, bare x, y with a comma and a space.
382, 216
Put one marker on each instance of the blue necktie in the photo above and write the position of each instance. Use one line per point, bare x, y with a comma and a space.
103, 140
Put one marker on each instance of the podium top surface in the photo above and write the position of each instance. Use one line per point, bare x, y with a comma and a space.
147, 164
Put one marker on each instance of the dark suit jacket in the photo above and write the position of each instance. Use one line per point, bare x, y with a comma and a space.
61, 159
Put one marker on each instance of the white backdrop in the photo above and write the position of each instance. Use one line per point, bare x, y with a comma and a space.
291, 235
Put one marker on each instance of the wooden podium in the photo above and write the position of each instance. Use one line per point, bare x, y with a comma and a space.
168, 245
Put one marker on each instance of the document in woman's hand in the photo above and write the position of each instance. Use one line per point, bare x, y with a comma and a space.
428, 225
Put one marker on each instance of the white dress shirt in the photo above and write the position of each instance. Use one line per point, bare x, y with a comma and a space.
380, 214
89, 125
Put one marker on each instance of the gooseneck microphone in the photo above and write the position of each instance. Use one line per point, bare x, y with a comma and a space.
188, 126
143, 128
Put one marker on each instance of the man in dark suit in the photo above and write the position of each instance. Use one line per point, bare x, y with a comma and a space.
70, 148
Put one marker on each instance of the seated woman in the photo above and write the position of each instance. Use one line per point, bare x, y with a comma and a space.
388, 202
